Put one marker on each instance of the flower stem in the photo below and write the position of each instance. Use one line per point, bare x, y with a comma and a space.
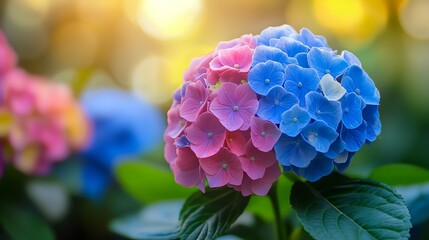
280, 227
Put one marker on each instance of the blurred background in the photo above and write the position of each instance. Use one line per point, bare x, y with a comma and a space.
144, 46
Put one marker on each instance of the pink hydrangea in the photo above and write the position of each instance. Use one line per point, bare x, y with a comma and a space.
47, 123
214, 137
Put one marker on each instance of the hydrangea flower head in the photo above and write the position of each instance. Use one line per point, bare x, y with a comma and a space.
123, 125
295, 103
42, 131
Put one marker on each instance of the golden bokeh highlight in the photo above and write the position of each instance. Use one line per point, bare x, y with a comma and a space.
168, 19
414, 18
356, 22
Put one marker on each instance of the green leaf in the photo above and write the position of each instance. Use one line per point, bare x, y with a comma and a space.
156, 221
412, 182
338, 207
209, 215
400, 174
22, 225
149, 183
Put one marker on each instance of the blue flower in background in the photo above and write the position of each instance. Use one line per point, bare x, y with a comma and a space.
123, 125
336, 111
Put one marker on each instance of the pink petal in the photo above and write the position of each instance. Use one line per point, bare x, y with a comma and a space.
232, 76
255, 161
169, 150
262, 186
264, 134
239, 58
194, 101
222, 168
176, 124
187, 170
196, 67
236, 142
206, 135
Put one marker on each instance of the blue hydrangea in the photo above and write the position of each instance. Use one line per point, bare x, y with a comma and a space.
123, 125
326, 105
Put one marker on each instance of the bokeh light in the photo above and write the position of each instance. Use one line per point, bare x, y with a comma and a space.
354, 21
414, 18
169, 19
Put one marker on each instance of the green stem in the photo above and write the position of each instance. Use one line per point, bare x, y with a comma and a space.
280, 227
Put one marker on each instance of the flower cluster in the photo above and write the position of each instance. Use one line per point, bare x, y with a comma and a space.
123, 125
40, 121
325, 104
213, 132
280, 97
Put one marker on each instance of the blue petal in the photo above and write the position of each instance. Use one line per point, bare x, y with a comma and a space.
277, 101
357, 80
294, 151
302, 60
291, 46
95, 180
308, 38
294, 120
354, 138
266, 75
300, 81
274, 32
319, 135
322, 109
335, 149
264, 53
182, 142
326, 62
343, 166
372, 119
351, 58
352, 112
319, 167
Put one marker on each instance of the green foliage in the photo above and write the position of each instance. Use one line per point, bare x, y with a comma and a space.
412, 183
400, 174
338, 207
149, 183
155, 221
23, 225
209, 215
203, 216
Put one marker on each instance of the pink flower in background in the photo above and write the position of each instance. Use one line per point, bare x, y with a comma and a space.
47, 123
213, 132
7, 56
